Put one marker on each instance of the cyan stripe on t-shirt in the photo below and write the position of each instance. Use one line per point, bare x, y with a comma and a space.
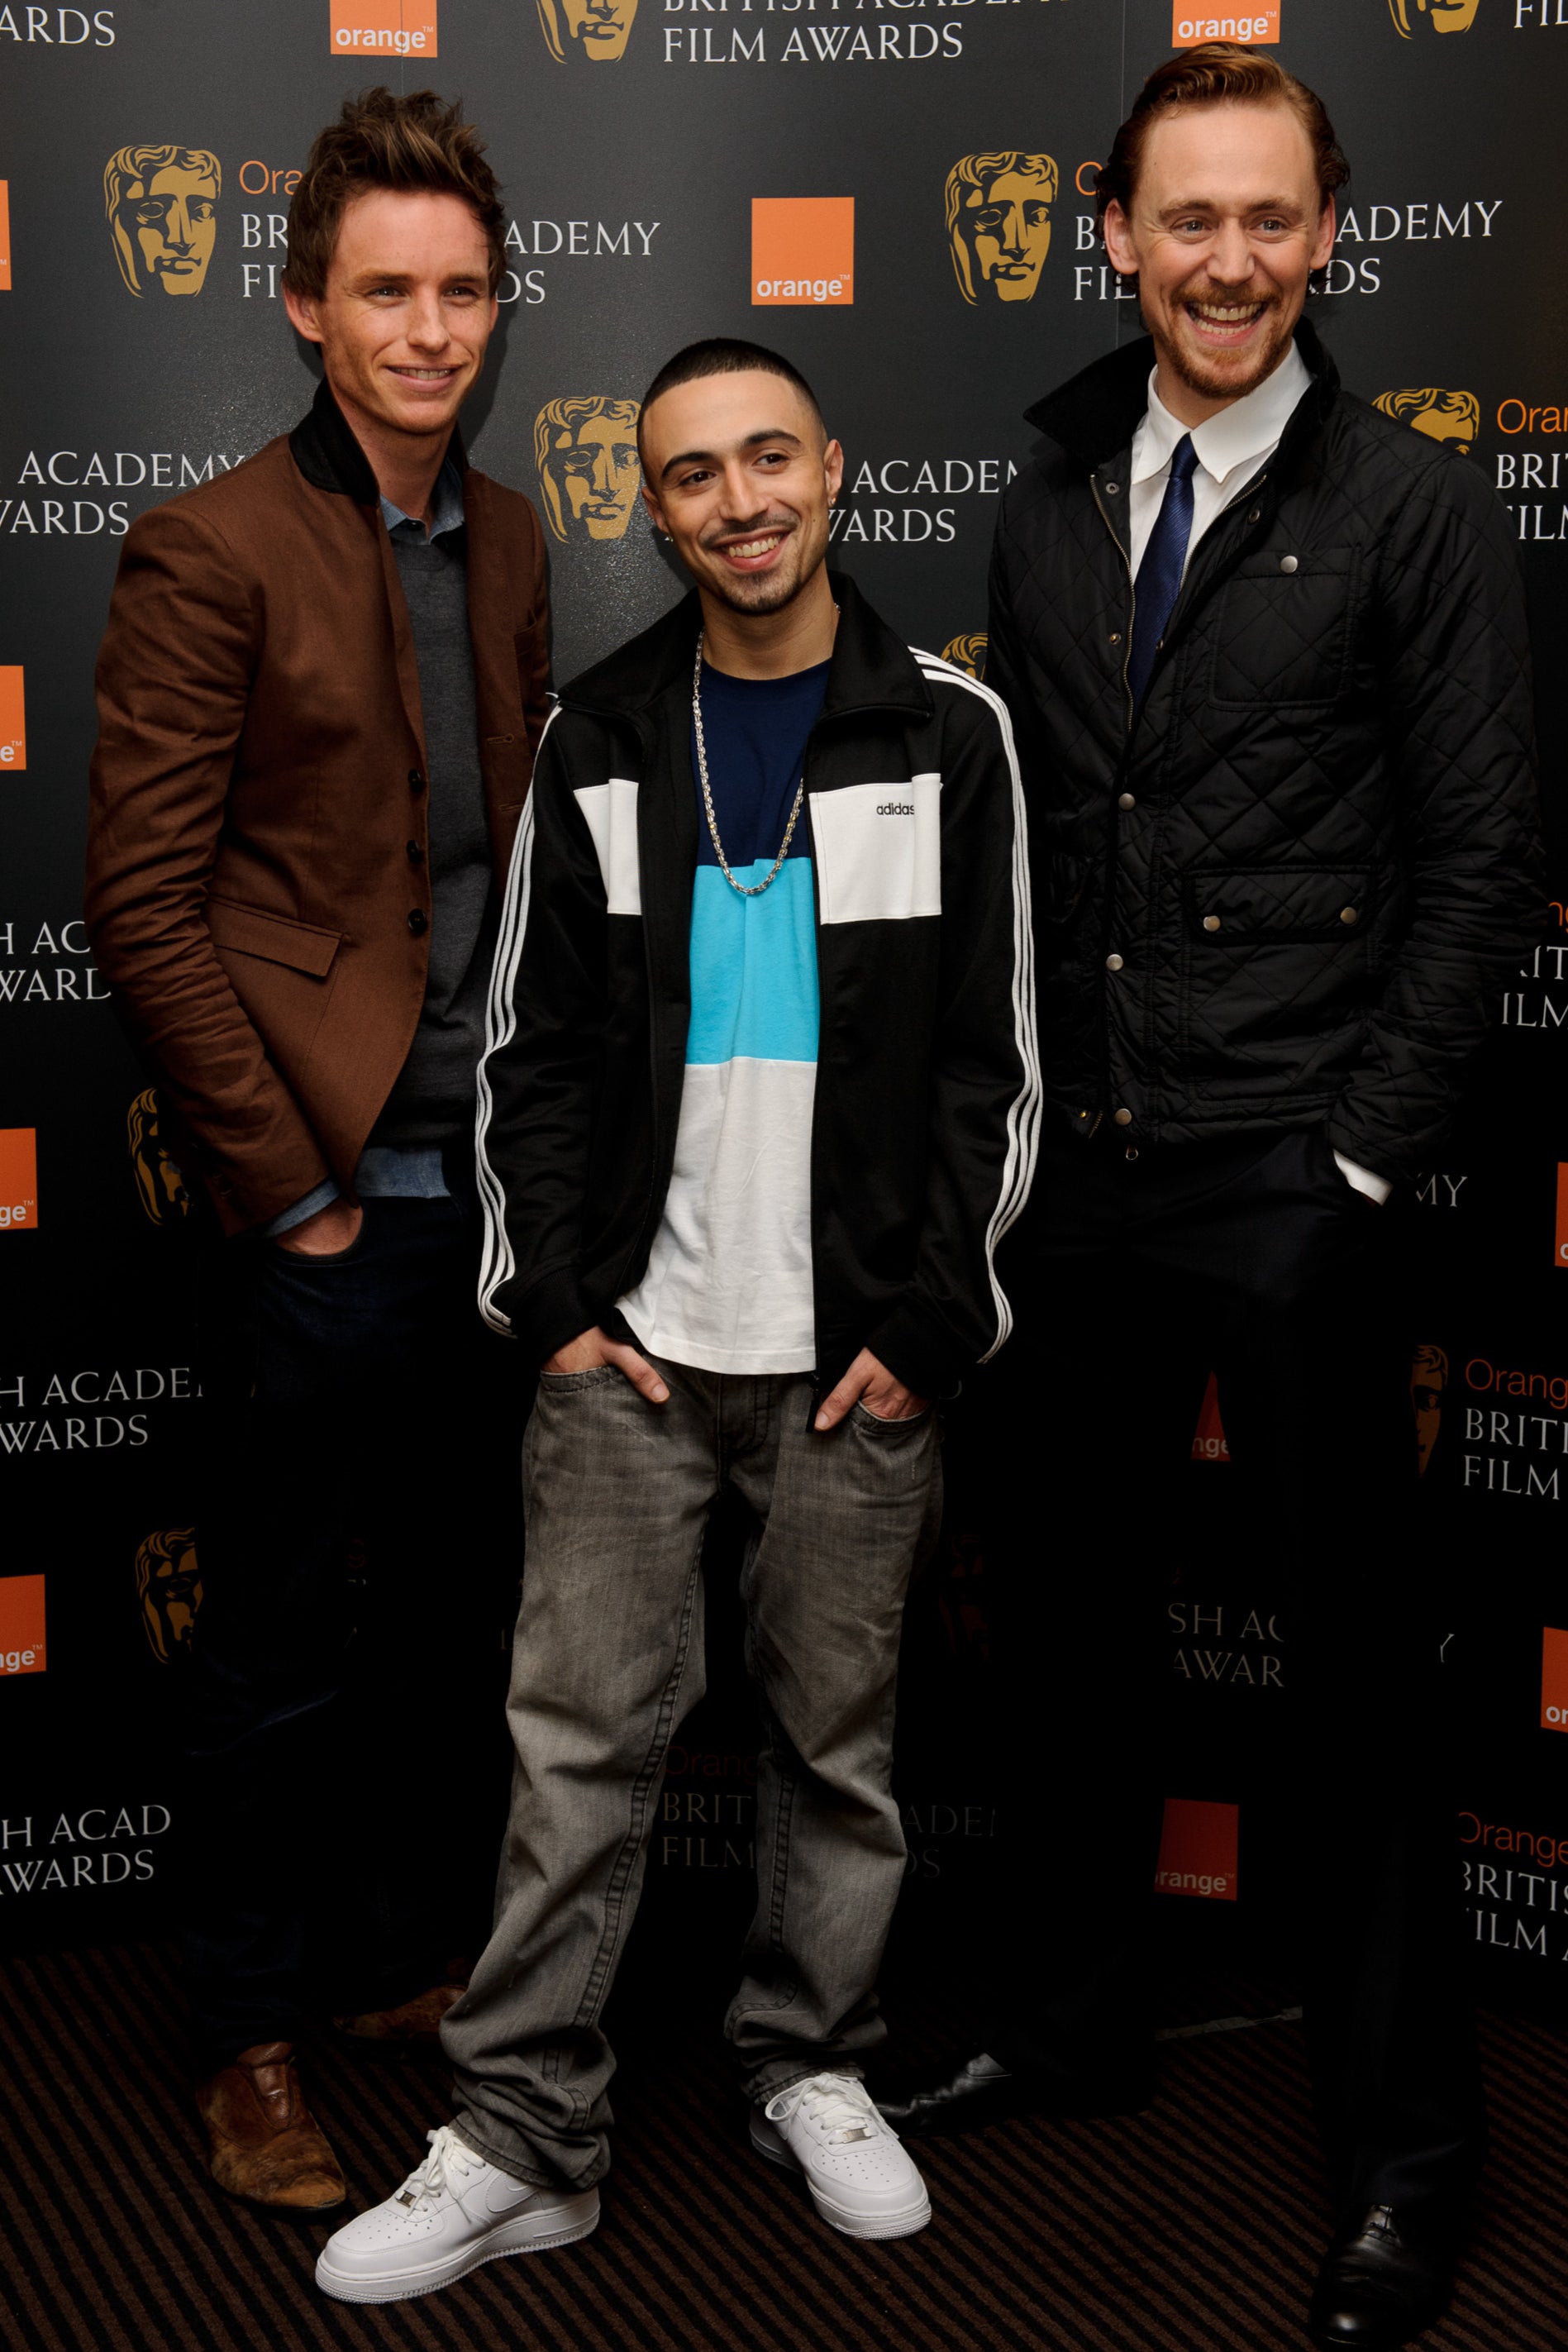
754, 966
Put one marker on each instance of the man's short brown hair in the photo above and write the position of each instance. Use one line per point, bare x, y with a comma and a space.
415, 143
1218, 73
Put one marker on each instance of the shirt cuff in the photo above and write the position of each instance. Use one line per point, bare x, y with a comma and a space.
1376, 1188
391, 1171
286, 1219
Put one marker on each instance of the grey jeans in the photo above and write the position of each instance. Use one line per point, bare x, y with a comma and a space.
607, 1658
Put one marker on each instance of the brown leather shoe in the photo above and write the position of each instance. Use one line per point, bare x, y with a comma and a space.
415, 2021
263, 2141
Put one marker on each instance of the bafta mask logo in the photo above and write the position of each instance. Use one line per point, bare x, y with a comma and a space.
966, 654
168, 1586
587, 28
1428, 1379
1453, 417
160, 1186
1434, 16
999, 224
162, 207
586, 451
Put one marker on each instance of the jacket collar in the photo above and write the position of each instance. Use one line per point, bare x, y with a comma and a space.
1094, 414
870, 668
324, 448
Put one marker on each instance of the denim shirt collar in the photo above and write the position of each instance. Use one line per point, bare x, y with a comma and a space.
445, 505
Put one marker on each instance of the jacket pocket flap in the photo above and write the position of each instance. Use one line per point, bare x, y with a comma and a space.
1282, 632
1225, 903
252, 932
1279, 564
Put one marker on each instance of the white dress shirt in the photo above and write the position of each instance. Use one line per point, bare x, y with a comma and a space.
1231, 447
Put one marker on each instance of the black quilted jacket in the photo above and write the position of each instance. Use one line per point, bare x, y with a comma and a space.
1289, 889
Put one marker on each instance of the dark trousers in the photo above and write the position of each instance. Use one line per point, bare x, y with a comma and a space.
359, 1540
1135, 1275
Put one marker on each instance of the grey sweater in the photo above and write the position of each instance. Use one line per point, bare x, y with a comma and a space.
433, 1099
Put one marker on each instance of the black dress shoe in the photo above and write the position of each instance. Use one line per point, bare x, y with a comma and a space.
1377, 2289
984, 2091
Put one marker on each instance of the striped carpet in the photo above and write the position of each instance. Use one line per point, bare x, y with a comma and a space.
1192, 2229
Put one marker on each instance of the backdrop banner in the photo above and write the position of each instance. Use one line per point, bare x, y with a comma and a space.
898, 194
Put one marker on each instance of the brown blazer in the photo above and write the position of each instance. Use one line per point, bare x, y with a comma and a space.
257, 891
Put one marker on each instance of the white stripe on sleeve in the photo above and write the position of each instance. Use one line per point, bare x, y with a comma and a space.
497, 1265
1024, 1112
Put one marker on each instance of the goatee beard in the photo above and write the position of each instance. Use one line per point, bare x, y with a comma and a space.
772, 596
765, 592
1213, 384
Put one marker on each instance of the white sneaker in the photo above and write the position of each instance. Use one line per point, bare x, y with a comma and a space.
860, 2178
453, 2212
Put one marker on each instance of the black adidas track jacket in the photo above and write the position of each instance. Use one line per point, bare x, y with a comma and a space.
928, 1091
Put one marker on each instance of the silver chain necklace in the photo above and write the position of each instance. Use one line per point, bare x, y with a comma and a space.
747, 889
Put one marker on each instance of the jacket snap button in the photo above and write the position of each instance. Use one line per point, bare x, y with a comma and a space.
415, 780
1123, 1118
1112, 490
1132, 1151
1116, 636
1113, 963
1125, 801
1211, 922
418, 921
1349, 915
1287, 563
1256, 515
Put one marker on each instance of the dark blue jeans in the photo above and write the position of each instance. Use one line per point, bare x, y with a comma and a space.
360, 1537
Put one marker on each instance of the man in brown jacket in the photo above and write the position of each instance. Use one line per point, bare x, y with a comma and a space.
320, 694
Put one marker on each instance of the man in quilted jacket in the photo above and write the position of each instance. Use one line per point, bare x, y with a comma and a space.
1264, 652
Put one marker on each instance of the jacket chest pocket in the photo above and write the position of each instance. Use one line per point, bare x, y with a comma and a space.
1282, 630
878, 851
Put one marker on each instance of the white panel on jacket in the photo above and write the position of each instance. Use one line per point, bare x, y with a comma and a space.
610, 812
878, 851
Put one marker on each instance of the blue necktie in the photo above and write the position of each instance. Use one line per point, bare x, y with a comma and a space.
1159, 575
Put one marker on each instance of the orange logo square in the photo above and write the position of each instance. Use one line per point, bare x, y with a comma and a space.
1197, 1849
1187, 30
802, 250
399, 28
1553, 1678
12, 717
1208, 1439
5, 237
18, 1179
21, 1625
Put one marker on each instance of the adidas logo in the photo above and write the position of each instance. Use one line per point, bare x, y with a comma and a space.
896, 808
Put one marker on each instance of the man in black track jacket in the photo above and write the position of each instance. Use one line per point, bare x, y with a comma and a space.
759, 1102
1264, 653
